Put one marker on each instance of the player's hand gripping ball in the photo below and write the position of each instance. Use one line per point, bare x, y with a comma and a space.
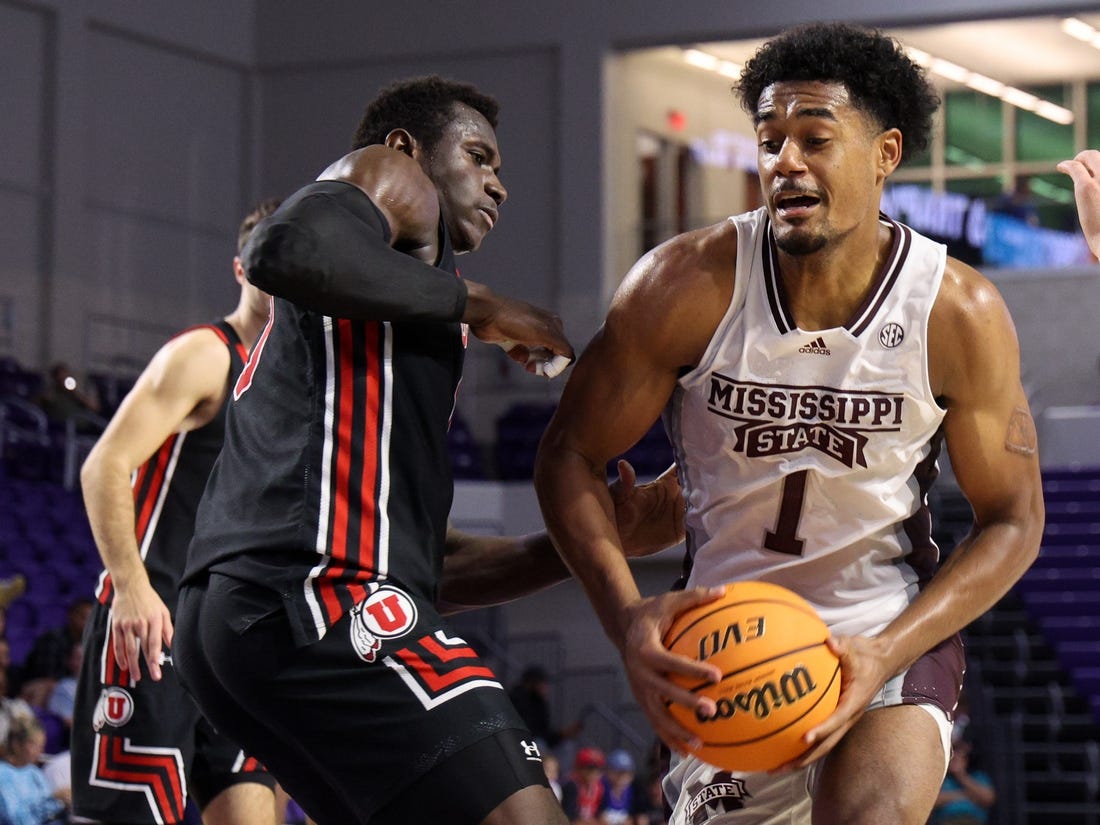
779, 679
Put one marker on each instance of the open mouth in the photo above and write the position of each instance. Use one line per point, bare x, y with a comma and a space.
795, 203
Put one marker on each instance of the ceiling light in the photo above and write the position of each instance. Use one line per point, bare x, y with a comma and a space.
995, 88
944, 68
705, 60
1056, 113
701, 59
985, 85
728, 68
1078, 29
952, 71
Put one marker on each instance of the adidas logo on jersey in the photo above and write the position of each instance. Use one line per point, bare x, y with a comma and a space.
816, 347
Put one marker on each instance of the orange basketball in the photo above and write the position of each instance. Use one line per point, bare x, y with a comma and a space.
779, 679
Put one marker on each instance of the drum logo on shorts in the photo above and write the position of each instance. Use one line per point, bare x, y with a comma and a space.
115, 708
387, 613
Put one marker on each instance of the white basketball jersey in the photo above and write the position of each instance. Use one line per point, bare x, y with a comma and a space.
805, 457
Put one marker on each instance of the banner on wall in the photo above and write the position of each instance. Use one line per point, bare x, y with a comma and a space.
979, 236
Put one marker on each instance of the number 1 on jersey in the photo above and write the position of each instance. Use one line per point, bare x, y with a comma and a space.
784, 539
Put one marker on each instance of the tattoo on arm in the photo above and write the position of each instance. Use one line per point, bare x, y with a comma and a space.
1020, 437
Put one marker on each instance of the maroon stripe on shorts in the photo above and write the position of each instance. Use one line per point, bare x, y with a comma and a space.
936, 677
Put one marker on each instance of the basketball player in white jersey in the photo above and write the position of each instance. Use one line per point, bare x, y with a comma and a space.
809, 359
1084, 169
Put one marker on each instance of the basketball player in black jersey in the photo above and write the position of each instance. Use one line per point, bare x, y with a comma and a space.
1084, 169
140, 748
309, 625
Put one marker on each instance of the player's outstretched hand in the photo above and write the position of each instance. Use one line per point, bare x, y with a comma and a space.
649, 517
530, 335
649, 664
1084, 169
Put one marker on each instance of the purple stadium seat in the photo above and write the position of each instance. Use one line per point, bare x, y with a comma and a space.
57, 735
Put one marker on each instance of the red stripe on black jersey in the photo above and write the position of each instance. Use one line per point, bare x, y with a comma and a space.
251, 765
157, 772
357, 408
147, 494
111, 672
244, 380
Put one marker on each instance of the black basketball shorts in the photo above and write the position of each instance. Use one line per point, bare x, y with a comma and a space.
140, 751
363, 719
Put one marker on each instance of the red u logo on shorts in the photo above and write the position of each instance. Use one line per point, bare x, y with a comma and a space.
389, 612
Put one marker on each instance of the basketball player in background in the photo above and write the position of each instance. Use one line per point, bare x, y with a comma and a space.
810, 357
1084, 169
309, 624
140, 747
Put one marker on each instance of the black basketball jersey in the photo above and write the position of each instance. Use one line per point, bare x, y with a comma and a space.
168, 486
335, 473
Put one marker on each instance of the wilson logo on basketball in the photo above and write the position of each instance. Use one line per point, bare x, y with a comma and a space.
791, 688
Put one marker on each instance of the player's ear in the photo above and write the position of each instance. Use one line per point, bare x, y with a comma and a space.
888, 145
402, 141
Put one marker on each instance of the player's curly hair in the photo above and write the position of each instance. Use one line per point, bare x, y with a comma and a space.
422, 105
882, 80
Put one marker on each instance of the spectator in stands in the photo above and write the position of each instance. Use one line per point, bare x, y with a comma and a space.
62, 397
25, 795
11, 709
967, 794
1018, 203
52, 650
63, 695
531, 697
624, 796
552, 765
59, 776
5, 654
583, 793
655, 809
11, 589
1084, 169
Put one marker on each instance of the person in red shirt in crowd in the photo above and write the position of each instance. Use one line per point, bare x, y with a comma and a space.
583, 795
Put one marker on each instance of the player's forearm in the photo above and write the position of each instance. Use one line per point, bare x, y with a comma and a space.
479, 571
975, 576
577, 509
109, 502
329, 252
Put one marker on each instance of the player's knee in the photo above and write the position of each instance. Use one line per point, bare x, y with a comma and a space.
533, 805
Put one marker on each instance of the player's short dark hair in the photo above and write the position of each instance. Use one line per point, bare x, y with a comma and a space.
261, 211
882, 80
423, 106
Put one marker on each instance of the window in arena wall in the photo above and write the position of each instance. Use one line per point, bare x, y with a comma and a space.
1040, 139
973, 129
1092, 129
